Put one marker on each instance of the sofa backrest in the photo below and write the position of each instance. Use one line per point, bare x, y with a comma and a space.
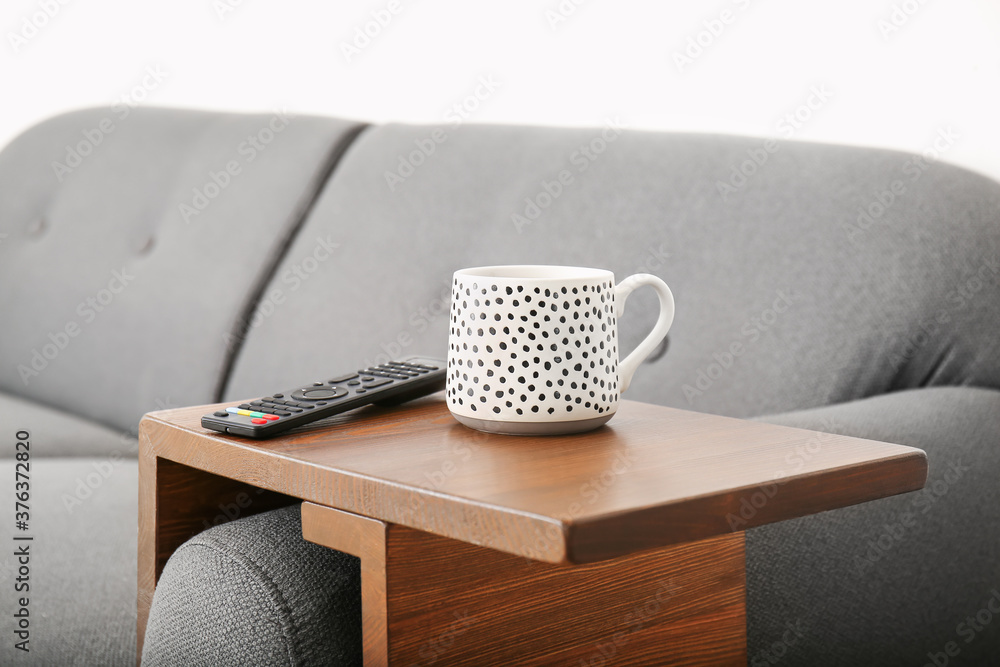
133, 246
172, 257
803, 274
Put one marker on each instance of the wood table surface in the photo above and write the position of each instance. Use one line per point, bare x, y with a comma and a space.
624, 545
651, 477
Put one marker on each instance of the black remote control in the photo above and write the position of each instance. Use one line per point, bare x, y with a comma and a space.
389, 383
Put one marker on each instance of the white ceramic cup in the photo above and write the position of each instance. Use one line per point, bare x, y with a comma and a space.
533, 350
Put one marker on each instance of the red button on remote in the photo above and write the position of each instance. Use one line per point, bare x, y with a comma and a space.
271, 417
258, 420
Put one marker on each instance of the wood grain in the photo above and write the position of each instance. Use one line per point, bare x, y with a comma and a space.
654, 476
176, 502
364, 538
438, 600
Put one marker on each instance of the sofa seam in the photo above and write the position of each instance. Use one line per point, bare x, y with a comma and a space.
240, 328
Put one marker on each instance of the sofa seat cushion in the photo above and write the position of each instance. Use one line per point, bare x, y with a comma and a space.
891, 581
253, 592
57, 433
82, 561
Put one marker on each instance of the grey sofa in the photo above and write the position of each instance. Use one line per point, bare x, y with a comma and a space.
180, 257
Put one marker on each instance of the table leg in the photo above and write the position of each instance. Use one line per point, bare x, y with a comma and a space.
176, 502
429, 599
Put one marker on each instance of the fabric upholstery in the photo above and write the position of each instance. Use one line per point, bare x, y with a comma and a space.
124, 300
82, 596
818, 311
894, 581
58, 433
253, 592
788, 299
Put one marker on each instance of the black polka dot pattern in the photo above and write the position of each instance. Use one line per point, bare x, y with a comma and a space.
520, 351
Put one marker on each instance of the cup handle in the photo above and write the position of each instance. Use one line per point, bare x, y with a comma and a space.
628, 366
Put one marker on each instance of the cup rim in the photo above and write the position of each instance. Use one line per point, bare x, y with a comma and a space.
535, 273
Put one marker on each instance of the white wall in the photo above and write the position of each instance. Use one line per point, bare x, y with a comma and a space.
888, 86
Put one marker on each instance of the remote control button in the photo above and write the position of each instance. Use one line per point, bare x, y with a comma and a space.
377, 383
221, 413
378, 373
257, 403
288, 411
321, 403
306, 406
355, 383
367, 379
317, 384
271, 417
360, 391
317, 394
343, 378
258, 420
245, 406
279, 395
426, 367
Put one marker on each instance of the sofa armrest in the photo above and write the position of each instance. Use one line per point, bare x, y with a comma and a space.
892, 581
253, 592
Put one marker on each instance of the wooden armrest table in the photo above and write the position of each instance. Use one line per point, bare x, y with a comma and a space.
624, 545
